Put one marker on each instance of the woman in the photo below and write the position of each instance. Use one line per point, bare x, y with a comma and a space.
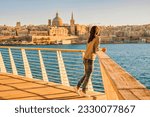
88, 60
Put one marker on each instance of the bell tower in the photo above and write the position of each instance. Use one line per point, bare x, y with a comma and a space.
18, 24
72, 21
72, 25
49, 22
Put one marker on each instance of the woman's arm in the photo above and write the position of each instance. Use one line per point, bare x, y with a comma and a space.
95, 48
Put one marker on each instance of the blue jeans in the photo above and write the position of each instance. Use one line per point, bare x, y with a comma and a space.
88, 68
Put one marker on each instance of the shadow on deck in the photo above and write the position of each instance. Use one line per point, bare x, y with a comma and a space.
20, 88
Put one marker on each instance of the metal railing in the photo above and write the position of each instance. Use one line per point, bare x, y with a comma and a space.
65, 67
62, 66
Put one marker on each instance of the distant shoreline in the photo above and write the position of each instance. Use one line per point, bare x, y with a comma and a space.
62, 44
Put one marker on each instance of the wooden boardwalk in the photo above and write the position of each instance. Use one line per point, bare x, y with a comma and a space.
20, 88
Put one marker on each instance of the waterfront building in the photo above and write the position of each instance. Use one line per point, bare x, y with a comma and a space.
58, 31
8, 33
81, 30
22, 32
38, 33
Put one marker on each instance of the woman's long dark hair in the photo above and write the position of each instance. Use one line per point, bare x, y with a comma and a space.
93, 33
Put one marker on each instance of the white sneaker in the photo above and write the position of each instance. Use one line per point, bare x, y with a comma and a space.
77, 91
85, 94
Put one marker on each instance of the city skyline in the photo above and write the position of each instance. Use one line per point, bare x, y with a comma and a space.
110, 12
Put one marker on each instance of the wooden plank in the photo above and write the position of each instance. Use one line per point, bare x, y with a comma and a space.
143, 94
102, 55
127, 95
120, 77
16, 88
136, 94
110, 89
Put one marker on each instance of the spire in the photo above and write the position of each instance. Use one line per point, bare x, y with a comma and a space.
72, 21
57, 14
72, 16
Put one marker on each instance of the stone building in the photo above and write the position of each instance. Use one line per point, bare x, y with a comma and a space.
73, 29
58, 31
38, 33
8, 33
81, 30
24, 32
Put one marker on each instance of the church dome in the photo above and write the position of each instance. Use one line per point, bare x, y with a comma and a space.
57, 21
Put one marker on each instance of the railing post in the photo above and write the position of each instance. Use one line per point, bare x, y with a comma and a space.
26, 64
90, 85
2, 64
13, 66
62, 69
44, 74
109, 89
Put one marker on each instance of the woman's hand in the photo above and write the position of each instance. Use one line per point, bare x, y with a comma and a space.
93, 56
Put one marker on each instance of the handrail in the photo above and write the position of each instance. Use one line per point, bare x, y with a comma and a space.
49, 49
118, 83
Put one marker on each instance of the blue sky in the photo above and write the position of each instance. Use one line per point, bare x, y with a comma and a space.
103, 12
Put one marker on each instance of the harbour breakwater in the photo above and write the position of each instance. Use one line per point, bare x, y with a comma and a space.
37, 40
